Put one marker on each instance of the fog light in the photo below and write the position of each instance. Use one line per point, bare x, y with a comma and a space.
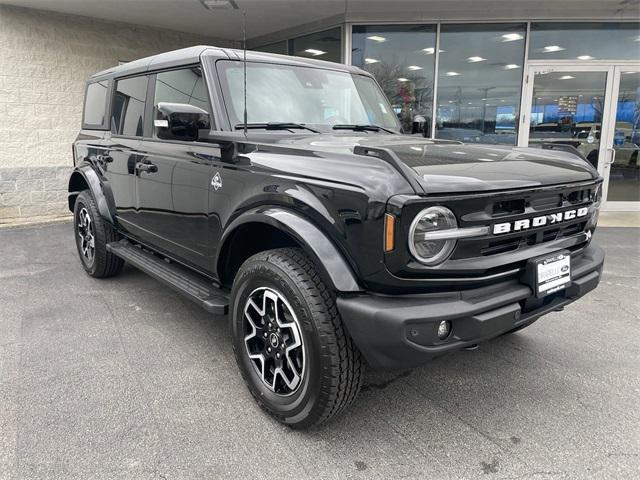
444, 329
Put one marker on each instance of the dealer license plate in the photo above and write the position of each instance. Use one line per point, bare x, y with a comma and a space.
553, 273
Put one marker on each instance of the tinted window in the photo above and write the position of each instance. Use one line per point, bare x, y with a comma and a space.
401, 57
584, 41
127, 117
95, 103
325, 45
479, 80
182, 86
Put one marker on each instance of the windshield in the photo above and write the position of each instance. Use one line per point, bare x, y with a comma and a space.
302, 95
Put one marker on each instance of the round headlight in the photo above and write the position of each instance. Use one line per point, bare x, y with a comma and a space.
428, 249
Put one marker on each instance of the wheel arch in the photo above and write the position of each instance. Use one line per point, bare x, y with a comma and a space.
266, 228
85, 178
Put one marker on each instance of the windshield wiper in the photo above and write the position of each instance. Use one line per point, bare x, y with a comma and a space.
362, 128
276, 126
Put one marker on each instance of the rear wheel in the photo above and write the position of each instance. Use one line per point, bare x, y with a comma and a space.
292, 349
92, 234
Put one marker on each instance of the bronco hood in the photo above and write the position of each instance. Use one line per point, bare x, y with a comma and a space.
447, 167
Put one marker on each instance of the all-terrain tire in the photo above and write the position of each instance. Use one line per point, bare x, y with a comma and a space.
333, 366
101, 263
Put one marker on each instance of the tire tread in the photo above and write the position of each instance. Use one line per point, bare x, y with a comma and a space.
343, 364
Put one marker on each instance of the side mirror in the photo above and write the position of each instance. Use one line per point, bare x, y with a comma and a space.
180, 121
420, 125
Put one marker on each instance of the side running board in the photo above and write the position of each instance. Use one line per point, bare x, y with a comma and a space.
173, 275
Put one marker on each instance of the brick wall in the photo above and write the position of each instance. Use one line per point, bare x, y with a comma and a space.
45, 59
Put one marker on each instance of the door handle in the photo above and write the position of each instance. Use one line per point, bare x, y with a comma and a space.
146, 167
105, 158
613, 155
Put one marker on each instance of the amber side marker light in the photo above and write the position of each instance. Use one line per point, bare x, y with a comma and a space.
389, 232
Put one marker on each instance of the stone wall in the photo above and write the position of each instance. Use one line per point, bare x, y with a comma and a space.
45, 59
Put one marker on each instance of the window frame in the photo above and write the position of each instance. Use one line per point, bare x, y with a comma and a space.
114, 90
105, 125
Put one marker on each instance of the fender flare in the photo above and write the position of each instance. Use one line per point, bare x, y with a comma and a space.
100, 190
315, 243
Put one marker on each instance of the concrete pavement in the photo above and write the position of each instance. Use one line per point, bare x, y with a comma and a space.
122, 378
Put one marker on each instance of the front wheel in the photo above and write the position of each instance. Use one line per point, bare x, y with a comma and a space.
291, 346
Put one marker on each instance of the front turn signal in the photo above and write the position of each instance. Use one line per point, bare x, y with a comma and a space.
389, 232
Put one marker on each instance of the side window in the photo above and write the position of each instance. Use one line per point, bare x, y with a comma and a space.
95, 103
182, 86
181, 105
127, 117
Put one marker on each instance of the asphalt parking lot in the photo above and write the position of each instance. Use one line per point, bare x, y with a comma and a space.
122, 378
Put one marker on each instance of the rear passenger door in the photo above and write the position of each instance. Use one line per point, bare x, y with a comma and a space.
122, 144
173, 197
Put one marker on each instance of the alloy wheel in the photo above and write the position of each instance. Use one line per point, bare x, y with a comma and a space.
274, 341
86, 235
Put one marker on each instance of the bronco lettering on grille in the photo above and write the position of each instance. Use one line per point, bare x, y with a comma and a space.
541, 221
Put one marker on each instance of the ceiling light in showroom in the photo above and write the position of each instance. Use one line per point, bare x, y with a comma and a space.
315, 52
370, 60
585, 57
402, 79
512, 37
219, 4
414, 67
452, 74
377, 38
552, 48
511, 66
567, 77
475, 59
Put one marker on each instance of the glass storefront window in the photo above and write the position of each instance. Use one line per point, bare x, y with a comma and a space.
584, 41
326, 45
278, 47
402, 59
479, 82
624, 176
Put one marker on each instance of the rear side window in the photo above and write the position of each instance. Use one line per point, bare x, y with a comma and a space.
182, 86
127, 117
95, 104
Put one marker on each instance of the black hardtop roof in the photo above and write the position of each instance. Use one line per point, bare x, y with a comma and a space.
191, 55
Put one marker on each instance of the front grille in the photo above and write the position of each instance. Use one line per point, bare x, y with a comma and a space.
518, 206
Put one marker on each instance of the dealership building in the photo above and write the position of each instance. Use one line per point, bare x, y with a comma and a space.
548, 74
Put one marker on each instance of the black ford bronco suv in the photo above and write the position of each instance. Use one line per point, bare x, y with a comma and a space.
282, 192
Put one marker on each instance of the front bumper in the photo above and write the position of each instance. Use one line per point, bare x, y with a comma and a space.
401, 331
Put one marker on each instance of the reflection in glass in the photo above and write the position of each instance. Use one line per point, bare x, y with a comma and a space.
95, 103
402, 59
185, 85
127, 116
566, 109
317, 98
326, 45
585, 41
624, 177
479, 81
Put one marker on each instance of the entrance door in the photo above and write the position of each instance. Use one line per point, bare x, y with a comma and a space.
622, 173
591, 109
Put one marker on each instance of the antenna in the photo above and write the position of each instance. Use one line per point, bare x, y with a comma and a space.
244, 65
